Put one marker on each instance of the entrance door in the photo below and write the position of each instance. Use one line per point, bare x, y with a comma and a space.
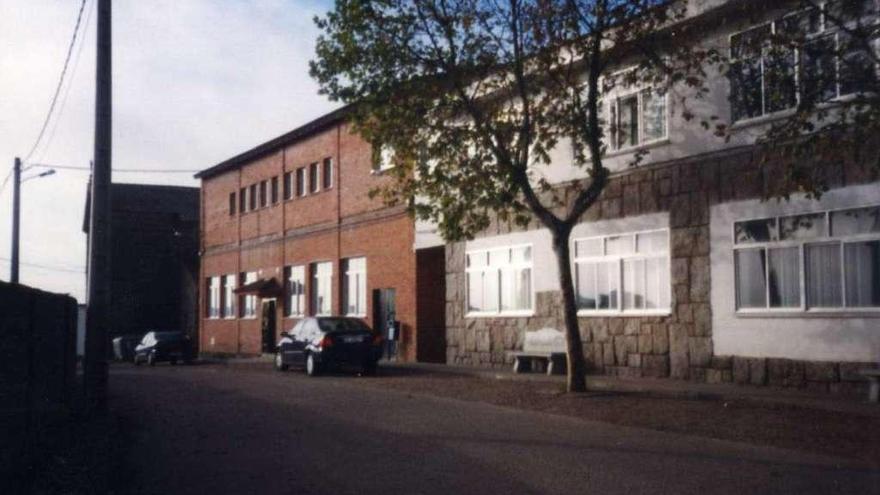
384, 316
268, 326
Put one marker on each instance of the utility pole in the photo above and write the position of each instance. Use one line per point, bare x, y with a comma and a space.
16, 218
98, 312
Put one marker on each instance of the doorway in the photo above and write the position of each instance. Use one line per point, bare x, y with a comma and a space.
268, 325
385, 320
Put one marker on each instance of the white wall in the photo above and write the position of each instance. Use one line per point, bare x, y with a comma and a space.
801, 336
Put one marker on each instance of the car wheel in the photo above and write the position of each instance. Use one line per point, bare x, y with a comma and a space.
312, 367
369, 368
151, 359
279, 362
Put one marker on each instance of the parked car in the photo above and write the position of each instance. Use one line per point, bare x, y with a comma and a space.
321, 343
163, 346
123, 346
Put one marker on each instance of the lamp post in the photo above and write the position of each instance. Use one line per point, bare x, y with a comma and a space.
17, 181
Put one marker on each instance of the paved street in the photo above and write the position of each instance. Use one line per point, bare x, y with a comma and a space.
209, 429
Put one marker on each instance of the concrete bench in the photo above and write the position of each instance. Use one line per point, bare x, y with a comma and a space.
873, 376
546, 345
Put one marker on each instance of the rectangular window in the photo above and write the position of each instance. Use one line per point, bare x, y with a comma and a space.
274, 190
638, 118
288, 185
623, 273
383, 158
301, 182
242, 200
295, 278
213, 308
322, 288
499, 281
231, 203
252, 197
354, 286
812, 262
248, 302
264, 197
313, 178
327, 173
228, 284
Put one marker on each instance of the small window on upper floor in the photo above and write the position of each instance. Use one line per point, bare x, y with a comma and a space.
313, 178
264, 197
383, 158
327, 173
301, 182
274, 190
231, 203
288, 185
252, 197
638, 118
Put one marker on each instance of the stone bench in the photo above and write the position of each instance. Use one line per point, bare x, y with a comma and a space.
546, 345
873, 377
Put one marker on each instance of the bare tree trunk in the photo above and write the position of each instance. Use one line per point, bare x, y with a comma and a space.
575, 350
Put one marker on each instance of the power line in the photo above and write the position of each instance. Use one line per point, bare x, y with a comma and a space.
60, 82
131, 170
49, 267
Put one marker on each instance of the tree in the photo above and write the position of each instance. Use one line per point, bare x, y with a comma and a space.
471, 97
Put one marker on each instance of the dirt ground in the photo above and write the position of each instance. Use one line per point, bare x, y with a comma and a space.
850, 435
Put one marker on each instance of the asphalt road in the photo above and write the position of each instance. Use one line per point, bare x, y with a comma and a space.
216, 430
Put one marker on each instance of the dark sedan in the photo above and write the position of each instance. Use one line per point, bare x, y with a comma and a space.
321, 343
163, 346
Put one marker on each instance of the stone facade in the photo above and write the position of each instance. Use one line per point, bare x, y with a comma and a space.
678, 345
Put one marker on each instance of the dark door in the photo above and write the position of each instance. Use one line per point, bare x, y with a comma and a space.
269, 325
384, 319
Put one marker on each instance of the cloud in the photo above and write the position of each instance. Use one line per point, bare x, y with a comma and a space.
194, 83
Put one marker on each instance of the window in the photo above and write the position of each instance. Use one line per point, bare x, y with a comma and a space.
264, 199
499, 281
638, 118
228, 284
313, 178
213, 309
812, 59
231, 203
322, 288
383, 157
252, 197
288, 185
301, 181
242, 200
327, 173
248, 302
817, 261
623, 273
354, 286
274, 190
295, 279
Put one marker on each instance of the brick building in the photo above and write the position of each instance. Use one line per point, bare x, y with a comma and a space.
289, 230
682, 269
154, 259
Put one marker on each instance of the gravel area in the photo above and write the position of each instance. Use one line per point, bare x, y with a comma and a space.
847, 434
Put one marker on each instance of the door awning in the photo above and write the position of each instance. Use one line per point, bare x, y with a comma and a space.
264, 287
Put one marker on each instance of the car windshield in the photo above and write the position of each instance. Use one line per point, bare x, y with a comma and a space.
342, 325
169, 336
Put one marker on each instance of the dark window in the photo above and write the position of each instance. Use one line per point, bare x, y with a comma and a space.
274, 190
313, 178
301, 181
288, 185
231, 203
327, 173
264, 199
242, 200
252, 197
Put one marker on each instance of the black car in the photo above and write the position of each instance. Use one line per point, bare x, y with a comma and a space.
329, 342
163, 346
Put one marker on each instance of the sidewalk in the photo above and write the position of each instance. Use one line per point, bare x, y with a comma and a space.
651, 387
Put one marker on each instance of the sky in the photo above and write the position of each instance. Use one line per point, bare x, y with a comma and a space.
194, 82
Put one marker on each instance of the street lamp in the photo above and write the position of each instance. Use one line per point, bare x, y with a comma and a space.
16, 212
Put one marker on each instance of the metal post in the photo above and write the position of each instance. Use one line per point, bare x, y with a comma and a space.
16, 219
98, 321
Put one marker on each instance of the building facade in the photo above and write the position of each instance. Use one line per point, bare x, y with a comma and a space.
682, 269
289, 230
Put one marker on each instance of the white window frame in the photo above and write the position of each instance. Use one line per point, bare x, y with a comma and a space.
322, 285
619, 260
829, 238
296, 291
214, 309
499, 269
248, 302
614, 118
384, 159
359, 275
228, 310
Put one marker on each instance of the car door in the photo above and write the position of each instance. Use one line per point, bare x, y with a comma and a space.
295, 351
